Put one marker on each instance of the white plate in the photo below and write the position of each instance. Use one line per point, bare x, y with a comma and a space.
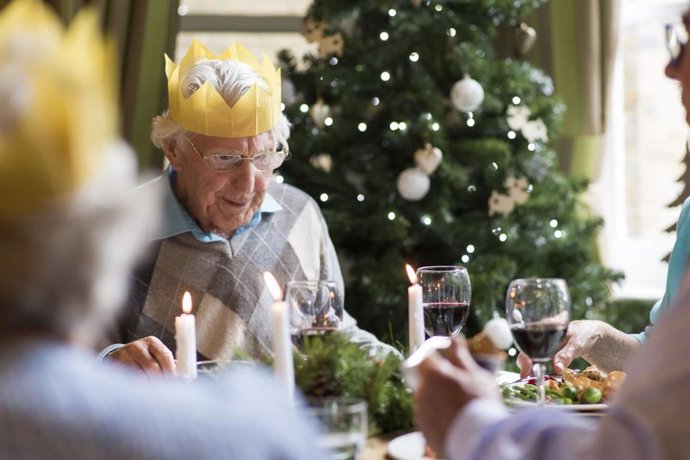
408, 446
569, 407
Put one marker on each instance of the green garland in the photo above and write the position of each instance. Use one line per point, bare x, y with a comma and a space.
331, 365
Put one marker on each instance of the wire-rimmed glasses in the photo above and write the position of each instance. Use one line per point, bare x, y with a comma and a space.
676, 37
263, 161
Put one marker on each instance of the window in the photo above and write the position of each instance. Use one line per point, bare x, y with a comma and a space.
646, 147
262, 26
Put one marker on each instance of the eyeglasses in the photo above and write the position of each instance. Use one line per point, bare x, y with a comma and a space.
676, 38
263, 161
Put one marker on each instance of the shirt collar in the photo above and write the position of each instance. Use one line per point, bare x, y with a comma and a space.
176, 220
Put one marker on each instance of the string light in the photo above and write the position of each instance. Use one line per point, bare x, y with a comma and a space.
279, 179
471, 189
553, 223
391, 215
360, 197
531, 147
470, 248
511, 135
304, 108
493, 166
392, 12
512, 352
383, 36
557, 234
328, 121
465, 258
452, 32
375, 100
516, 100
414, 56
385, 76
362, 127
402, 126
282, 106
502, 237
333, 60
470, 122
435, 126
323, 197
393, 126
438, 8
426, 220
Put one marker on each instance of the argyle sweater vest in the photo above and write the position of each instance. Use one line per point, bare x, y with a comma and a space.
230, 299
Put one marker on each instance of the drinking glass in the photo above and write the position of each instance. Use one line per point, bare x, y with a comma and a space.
316, 307
538, 312
446, 295
344, 422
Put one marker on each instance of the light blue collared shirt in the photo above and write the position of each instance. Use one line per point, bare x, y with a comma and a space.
176, 220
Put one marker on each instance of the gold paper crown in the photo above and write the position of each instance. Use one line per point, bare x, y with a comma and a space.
58, 110
206, 112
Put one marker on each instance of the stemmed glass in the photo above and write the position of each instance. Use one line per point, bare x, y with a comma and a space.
446, 295
538, 312
316, 307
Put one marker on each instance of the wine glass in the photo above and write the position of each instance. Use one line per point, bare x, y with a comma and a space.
446, 294
538, 312
316, 307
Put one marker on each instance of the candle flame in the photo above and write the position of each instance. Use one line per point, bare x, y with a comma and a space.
411, 274
187, 302
273, 286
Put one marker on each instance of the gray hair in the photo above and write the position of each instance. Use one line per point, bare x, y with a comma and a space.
64, 269
231, 79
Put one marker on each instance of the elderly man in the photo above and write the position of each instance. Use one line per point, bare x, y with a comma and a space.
226, 221
69, 231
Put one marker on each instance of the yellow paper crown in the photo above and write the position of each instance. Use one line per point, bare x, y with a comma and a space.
206, 112
58, 110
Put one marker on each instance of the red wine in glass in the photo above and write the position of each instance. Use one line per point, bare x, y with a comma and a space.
539, 342
445, 318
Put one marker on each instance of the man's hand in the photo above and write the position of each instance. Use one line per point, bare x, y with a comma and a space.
448, 383
147, 354
596, 341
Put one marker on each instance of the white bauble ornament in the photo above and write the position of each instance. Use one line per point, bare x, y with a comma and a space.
467, 94
319, 112
428, 158
413, 184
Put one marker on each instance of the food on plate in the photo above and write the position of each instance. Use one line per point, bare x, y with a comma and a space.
590, 386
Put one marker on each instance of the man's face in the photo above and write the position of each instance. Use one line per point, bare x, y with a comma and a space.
220, 202
679, 69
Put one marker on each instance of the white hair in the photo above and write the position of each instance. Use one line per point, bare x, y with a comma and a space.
231, 79
64, 269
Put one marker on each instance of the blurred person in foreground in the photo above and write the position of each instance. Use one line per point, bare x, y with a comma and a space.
226, 220
69, 229
460, 411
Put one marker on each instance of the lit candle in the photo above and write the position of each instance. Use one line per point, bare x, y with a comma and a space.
282, 345
415, 313
185, 338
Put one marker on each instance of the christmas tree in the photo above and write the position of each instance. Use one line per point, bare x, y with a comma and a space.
423, 146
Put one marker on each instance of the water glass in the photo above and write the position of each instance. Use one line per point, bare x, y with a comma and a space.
316, 307
344, 424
